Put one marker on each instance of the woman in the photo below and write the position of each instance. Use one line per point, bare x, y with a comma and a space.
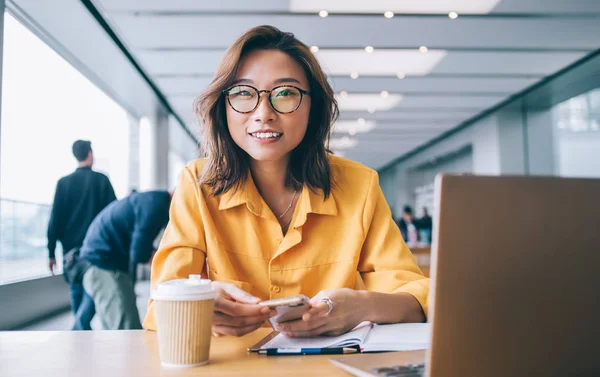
271, 214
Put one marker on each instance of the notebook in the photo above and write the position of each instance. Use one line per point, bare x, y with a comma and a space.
369, 337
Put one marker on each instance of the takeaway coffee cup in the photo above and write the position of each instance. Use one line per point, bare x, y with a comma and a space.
184, 314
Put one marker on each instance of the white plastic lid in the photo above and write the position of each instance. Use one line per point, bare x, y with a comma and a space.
191, 289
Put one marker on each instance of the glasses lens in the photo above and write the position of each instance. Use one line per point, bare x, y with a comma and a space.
243, 98
285, 99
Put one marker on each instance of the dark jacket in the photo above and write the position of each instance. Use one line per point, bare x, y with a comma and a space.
425, 222
122, 234
79, 197
403, 229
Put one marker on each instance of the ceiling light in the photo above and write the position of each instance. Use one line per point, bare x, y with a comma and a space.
314, 49
381, 62
354, 75
361, 121
352, 131
423, 49
384, 94
400, 75
371, 110
350, 126
369, 49
342, 143
453, 15
362, 102
323, 13
379, 7
388, 14
343, 94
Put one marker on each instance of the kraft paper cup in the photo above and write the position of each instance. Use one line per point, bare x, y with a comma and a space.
184, 314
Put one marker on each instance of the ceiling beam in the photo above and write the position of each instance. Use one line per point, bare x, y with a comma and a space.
161, 97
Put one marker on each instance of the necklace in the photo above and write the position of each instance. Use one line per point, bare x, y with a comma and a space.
290, 206
287, 223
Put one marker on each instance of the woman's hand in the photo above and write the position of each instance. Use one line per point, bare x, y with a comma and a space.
236, 311
348, 311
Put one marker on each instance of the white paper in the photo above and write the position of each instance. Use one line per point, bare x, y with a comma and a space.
354, 337
371, 338
398, 337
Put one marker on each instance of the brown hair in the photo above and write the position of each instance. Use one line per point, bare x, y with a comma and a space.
227, 166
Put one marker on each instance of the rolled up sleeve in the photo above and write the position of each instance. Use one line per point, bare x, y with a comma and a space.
386, 264
182, 250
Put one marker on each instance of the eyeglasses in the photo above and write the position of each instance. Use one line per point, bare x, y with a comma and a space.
284, 99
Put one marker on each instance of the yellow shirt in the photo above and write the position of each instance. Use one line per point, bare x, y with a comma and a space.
236, 238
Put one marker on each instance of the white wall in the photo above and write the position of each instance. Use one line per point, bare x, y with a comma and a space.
578, 154
486, 146
498, 147
540, 145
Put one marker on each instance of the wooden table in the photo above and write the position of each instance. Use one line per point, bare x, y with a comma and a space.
135, 353
422, 255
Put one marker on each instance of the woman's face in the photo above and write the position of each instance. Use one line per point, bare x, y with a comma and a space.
265, 134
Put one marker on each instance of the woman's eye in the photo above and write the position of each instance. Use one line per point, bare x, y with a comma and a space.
241, 93
285, 93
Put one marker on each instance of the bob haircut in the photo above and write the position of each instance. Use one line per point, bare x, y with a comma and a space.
228, 165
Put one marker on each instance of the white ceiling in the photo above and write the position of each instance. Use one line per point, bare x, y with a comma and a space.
494, 49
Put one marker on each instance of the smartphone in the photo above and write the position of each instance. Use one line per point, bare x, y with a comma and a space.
288, 309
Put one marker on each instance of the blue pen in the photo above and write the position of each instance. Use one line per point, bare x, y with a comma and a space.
306, 351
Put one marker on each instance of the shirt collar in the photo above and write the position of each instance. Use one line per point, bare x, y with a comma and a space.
314, 203
311, 202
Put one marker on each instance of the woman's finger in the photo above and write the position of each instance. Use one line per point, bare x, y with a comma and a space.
301, 325
227, 320
320, 309
235, 292
310, 333
229, 307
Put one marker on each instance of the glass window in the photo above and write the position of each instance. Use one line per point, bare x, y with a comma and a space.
46, 105
577, 136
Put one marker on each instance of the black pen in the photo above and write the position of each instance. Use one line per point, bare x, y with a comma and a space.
307, 351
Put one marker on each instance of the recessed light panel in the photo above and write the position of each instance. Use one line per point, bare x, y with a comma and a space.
379, 62
353, 126
398, 7
342, 142
364, 102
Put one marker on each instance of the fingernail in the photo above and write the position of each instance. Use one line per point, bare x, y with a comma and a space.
265, 310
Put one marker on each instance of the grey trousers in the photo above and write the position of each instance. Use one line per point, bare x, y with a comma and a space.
114, 298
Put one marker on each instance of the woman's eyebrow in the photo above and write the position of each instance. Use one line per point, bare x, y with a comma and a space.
242, 81
278, 81
286, 79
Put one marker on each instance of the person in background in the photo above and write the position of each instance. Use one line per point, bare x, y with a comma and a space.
408, 226
119, 238
79, 197
270, 213
425, 227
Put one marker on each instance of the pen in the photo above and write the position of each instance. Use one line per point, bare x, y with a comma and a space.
307, 351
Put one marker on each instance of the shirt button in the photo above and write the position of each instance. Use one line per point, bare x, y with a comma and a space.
276, 289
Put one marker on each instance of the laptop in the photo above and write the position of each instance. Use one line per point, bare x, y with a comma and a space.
515, 282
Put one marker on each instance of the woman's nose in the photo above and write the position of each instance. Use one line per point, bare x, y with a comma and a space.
264, 112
